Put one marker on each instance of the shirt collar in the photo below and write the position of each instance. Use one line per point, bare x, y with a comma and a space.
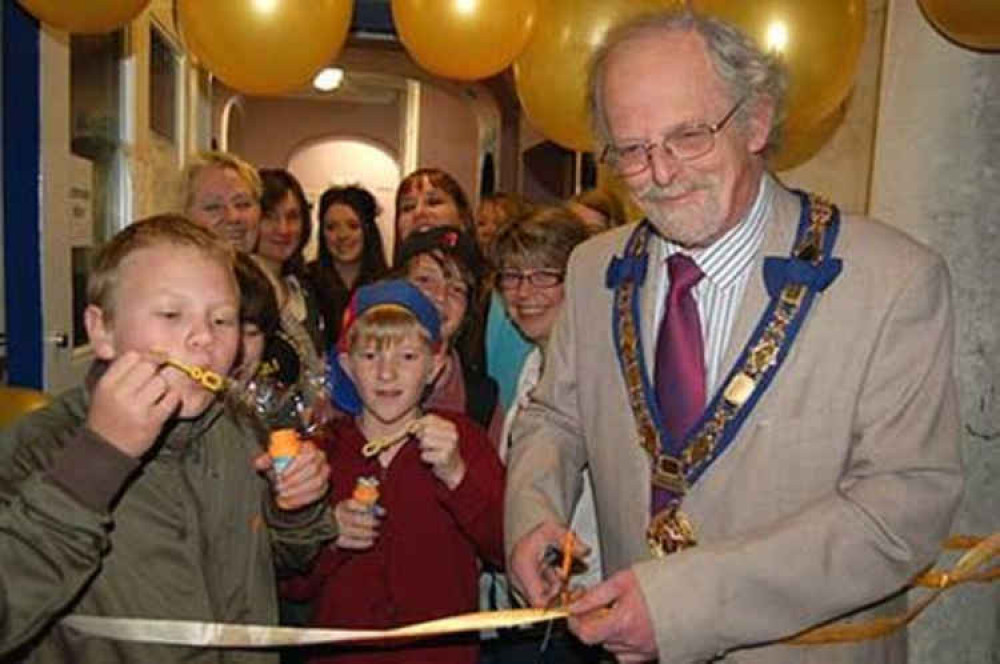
731, 255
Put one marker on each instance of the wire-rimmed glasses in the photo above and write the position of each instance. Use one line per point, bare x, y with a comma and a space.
684, 145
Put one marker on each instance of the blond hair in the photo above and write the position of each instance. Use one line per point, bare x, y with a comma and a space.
164, 229
385, 326
222, 160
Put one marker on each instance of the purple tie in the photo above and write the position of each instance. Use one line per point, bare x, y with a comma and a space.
680, 362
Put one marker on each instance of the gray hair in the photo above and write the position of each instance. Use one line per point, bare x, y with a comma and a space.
746, 72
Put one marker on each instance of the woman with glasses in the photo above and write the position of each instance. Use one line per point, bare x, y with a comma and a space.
444, 263
530, 255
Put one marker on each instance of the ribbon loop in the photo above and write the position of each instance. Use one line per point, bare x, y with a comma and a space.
780, 272
624, 269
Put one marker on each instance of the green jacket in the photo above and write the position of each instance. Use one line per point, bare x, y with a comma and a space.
191, 533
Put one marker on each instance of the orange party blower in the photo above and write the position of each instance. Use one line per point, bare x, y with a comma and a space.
366, 491
283, 448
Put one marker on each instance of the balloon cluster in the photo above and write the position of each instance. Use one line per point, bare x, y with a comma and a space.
274, 46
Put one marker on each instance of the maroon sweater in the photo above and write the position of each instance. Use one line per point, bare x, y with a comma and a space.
423, 564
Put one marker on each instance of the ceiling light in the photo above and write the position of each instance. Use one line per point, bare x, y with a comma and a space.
328, 79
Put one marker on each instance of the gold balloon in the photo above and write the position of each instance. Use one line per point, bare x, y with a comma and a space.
264, 46
820, 41
89, 16
800, 144
464, 39
971, 23
551, 72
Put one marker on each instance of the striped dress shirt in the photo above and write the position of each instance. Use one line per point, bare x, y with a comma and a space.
726, 266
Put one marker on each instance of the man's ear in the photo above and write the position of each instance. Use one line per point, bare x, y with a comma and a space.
759, 123
100, 332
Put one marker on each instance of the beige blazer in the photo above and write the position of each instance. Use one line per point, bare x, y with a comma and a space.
838, 489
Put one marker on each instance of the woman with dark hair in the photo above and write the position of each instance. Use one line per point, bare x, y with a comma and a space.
430, 197
350, 251
284, 231
445, 265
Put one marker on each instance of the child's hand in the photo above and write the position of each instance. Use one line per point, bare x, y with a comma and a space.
130, 403
438, 440
303, 482
357, 525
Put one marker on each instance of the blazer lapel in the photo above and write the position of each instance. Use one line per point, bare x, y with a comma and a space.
649, 304
778, 239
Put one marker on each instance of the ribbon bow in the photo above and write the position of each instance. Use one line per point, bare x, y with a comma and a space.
779, 272
626, 268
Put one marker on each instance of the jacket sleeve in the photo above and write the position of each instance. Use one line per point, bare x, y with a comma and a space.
298, 537
861, 542
477, 502
55, 497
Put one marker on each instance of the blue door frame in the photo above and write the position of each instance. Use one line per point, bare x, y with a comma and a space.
22, 230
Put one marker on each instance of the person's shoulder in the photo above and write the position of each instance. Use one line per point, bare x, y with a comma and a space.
40, 433
589, 260
876, 240
604, 244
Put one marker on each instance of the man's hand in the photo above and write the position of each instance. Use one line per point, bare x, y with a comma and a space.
538, 580
303, 482
614, 614
438, 440
130, 404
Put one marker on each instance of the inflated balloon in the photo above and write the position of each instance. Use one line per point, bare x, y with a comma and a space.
820, 41
800, 144
972, 23
90, 16
464, 40
264, 46
551, 72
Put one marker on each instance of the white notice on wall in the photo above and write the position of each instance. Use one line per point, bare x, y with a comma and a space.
80, 202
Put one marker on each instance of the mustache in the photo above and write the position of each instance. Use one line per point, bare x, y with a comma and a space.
654, 192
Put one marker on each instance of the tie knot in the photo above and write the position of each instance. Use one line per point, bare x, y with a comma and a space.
683, 271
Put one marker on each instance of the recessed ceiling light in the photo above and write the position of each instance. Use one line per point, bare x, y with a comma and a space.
328, 79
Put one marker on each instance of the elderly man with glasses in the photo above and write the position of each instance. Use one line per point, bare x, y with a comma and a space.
760, 386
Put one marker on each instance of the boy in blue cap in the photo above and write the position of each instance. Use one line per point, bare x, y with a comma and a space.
413, 556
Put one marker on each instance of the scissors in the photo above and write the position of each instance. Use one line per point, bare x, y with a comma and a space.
564, 557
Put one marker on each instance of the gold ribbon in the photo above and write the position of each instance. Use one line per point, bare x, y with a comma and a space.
971, 567
228, 635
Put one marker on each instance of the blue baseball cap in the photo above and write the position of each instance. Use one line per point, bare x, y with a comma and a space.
396, 292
